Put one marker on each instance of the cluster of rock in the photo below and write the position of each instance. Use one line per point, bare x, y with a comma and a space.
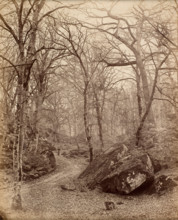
123, 171
42, 164
36, 164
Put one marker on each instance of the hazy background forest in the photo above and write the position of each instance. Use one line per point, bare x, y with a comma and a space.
80, 76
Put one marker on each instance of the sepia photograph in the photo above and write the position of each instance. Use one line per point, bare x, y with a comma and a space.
89, 110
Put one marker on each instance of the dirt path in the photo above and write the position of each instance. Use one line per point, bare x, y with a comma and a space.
43, 199
65, 169
38, 195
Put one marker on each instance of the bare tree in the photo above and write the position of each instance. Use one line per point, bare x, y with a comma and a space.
21, 22
127, 34
25, 45
83, 61
135, 43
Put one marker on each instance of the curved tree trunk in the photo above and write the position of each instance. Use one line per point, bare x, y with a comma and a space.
148, 107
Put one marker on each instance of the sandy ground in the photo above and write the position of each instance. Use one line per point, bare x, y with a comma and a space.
43, 199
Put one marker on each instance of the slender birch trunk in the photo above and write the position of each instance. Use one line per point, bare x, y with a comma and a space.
18, 148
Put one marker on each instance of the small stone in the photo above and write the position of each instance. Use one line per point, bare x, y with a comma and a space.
120, 203
109, 205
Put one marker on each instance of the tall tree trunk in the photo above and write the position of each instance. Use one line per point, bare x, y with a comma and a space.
146, 91
146, 114
99, 119
36, 123
143, 74
75, 131
139, 99
18, 148
86, 123
148, 107
176, 98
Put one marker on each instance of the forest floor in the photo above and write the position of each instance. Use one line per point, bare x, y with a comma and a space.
43, 199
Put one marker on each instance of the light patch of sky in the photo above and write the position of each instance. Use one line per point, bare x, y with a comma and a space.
97, 8
120, 7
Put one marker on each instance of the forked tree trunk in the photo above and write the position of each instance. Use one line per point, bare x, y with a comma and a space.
148, 107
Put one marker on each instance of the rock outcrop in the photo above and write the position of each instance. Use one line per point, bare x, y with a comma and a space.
36, 164
118, 170
161, 185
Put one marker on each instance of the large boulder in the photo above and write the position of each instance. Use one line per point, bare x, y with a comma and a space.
119, 170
